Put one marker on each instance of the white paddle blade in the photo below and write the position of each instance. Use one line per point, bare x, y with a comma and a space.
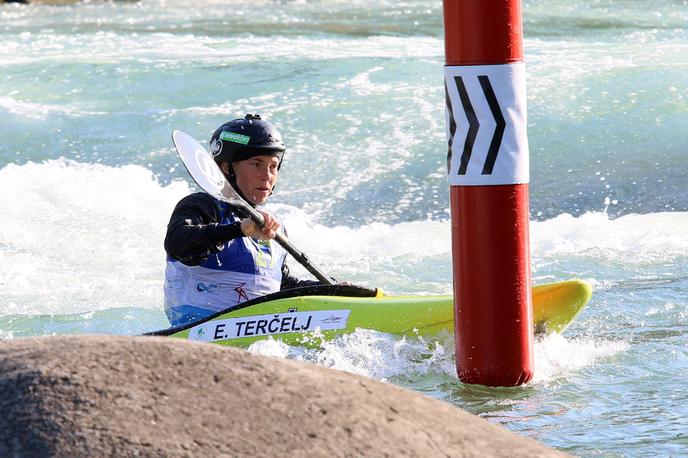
203, 169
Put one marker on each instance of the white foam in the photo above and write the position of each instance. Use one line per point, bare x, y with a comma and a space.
375, 238
557, 357
270, 347
402, 258
369, 353
379, 356
79, 237
40, 111
105, 48
633, 239
382, 356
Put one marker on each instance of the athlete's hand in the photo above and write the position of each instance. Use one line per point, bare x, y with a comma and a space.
269, 230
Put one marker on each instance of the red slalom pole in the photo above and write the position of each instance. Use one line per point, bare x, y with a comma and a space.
488, 179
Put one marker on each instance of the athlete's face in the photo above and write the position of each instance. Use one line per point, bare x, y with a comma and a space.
255, 177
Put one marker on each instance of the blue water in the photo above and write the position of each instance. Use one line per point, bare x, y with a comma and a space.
90, 93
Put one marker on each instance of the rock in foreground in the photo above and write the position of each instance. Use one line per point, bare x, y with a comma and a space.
147, 396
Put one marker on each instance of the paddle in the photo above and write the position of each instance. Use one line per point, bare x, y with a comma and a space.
206, 173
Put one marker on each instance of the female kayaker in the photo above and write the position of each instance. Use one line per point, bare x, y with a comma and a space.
217, 256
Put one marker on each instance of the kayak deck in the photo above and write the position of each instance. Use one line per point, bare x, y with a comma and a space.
295, 316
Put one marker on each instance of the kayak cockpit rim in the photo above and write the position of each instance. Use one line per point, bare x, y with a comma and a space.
314, 290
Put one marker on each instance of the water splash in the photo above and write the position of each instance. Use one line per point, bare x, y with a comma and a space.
557, 357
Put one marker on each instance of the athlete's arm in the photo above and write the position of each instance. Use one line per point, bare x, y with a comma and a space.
194, 231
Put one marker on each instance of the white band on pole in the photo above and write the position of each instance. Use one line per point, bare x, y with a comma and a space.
486, 124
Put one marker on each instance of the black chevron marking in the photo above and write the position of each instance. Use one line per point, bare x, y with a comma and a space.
452, 126
473, 125
499, 120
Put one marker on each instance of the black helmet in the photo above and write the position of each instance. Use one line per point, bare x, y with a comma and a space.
244, 138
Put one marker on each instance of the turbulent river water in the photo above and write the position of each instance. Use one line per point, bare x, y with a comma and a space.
89, 94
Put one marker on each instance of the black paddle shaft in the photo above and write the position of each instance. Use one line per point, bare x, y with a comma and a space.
300, 256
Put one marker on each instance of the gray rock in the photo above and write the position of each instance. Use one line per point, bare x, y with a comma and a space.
156, 396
